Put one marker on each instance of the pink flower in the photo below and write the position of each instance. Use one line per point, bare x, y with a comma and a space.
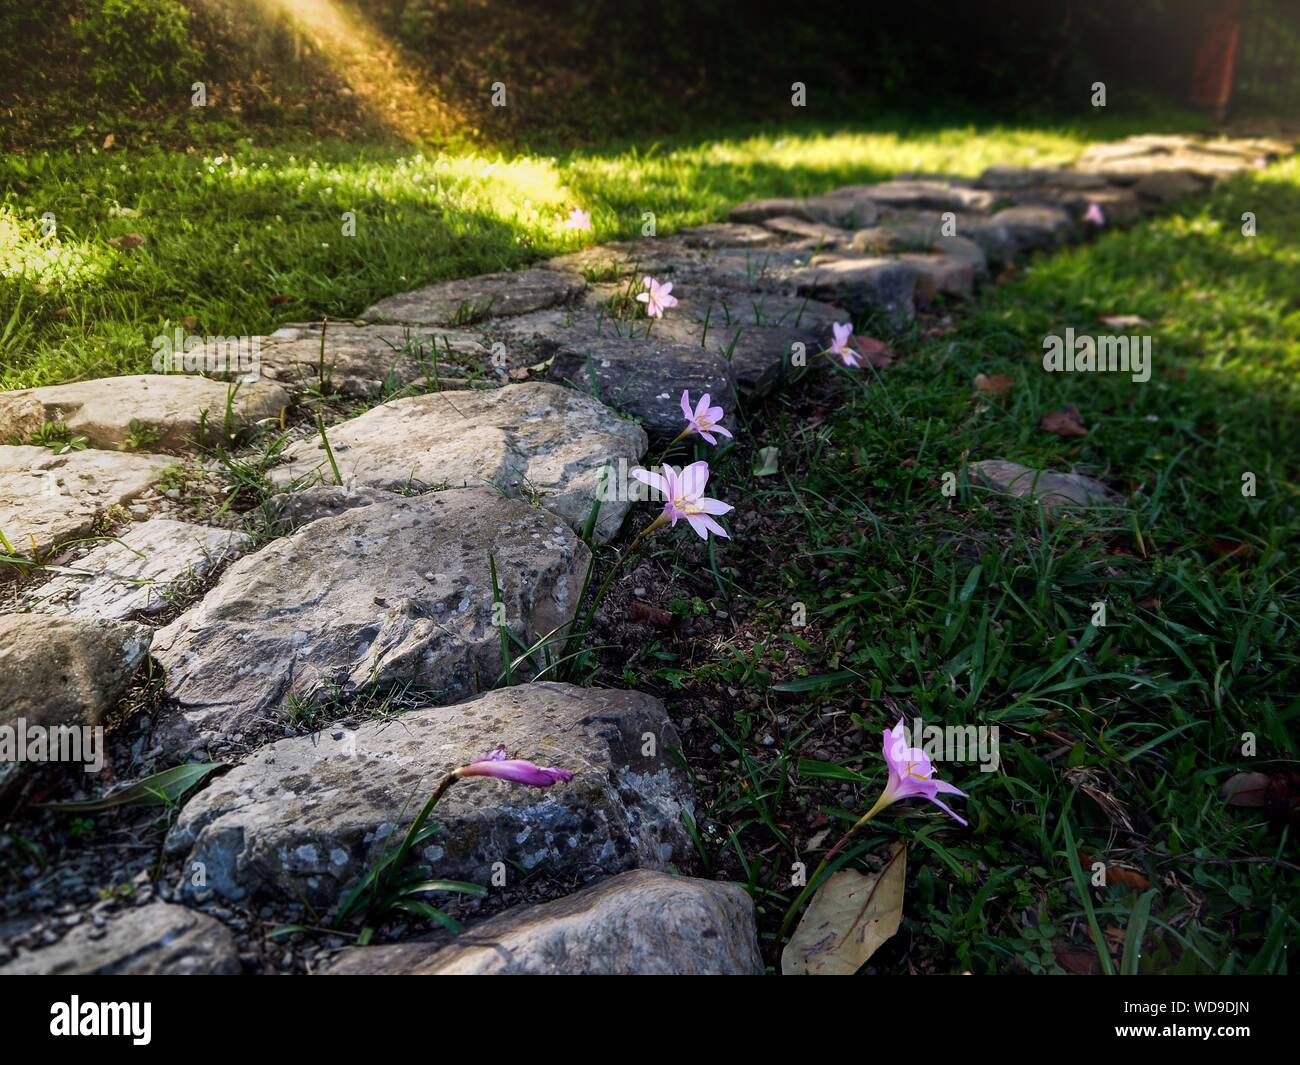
685, 497
910, 773
657, 298
496, 764
1094, 215
704, 419
578, 220
843, 331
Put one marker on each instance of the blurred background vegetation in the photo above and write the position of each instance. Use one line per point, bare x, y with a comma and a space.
578, 69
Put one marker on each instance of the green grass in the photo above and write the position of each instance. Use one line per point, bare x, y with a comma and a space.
239, 241
970, 610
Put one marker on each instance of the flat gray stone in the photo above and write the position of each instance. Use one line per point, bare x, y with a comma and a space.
1043, 486
285, 512
846, 208
526, 439
637, 923
362, 361
645, 377
63, 671
1168, 186
157, 939
306, 817
929, 195
727, 234
811, 234
862, 285
1034, 227
171, 412
473, 299
1002, 178
948, 275
48, 499
140, 572
375, 597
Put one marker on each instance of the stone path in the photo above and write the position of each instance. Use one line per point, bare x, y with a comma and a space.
498, 401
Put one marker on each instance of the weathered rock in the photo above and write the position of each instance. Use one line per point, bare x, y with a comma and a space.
533, 438
62, 671
645, 377
1121, 206
937, 274
1018, 177
378, 596
21, 415
638, 923
157, 939
305, 817
726, 234
370, 360
862, 285
846, 208
48, 499
287, 511
929, 195
140, 572
472, 299
813, 233
1167, 186
1035, 227
1044, 486
154, 412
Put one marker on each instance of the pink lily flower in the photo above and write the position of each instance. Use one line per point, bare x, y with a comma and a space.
685, 497
703, 419
578, 220
1094, 215
657, 298
911, 774
497, 764
843, 331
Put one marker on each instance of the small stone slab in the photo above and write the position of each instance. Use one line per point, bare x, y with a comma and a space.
1044, 486
140, 572
1120, 206
645, 378
175, 412
929, 195
937, 274
810, 234
473, 299
845, 208
21, 415
862, 285
377, 596
526, 438
48, 499
306, 817
1004, 178
157, 939
1168, 186
727, 234
637, 923
62, 671
1035, 227
361, 361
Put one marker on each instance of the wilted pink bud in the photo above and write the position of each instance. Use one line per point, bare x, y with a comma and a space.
497, 764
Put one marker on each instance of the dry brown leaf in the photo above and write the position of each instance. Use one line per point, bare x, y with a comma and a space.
1064, 422
108, 141
275, 301
1245, 789
1123, 321
1077, 960
875, 353
850, 916
129, 242
649, 615
997, 384
1116, 876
